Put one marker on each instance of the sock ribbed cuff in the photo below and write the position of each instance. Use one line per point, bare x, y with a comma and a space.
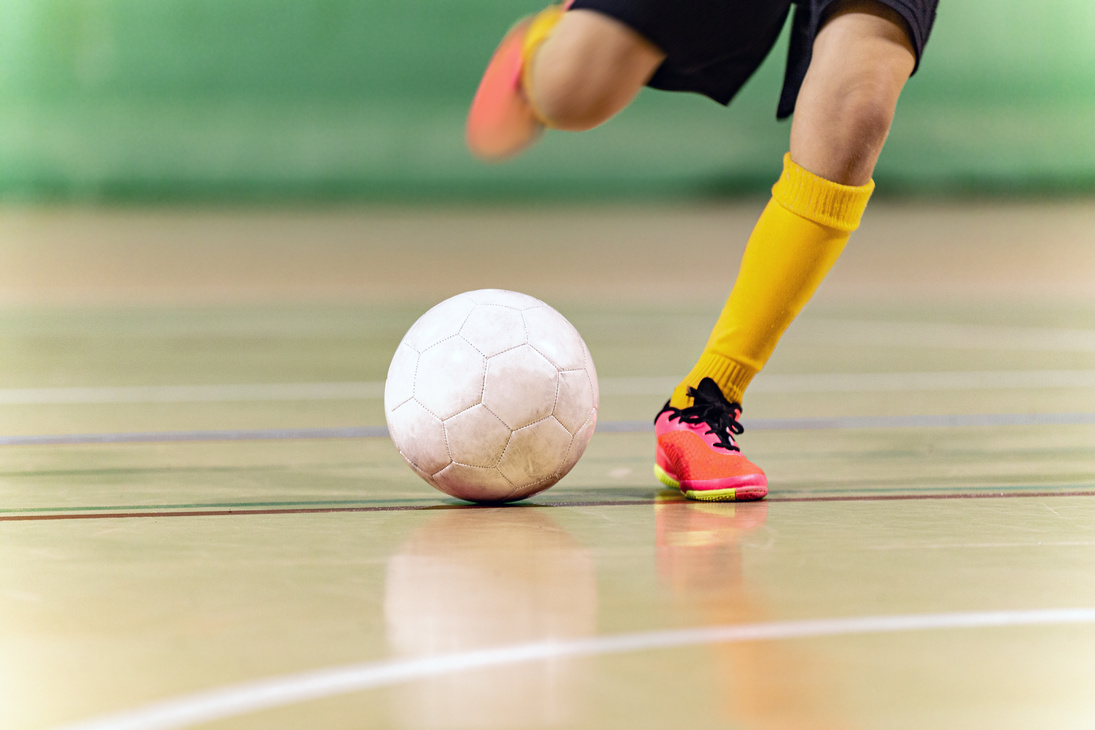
732, 378
540, 28
819, 200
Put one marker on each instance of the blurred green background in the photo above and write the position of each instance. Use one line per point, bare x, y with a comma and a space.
365, 99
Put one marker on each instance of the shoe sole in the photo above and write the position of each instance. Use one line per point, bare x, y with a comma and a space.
744, 492
500, 122
664, 478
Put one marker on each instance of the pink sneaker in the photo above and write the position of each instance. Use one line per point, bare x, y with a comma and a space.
501, 122
697, 453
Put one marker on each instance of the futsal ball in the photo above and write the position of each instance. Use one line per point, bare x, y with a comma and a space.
491, 396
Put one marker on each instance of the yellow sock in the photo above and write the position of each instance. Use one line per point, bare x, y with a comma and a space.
797, 239
541, 27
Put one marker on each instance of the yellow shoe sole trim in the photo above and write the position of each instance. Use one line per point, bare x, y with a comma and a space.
714, 495
665, 479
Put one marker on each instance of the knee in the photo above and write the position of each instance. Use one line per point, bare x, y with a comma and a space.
849, 97
567, 97
840, 134
590, 69
842, 138
860, 118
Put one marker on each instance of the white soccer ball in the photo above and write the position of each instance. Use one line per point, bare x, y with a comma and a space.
491, 396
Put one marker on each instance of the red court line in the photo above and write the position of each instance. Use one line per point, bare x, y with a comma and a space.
306, 510
957, 495
604, 503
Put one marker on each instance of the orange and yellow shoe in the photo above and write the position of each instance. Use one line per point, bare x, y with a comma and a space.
501, 121
696, 451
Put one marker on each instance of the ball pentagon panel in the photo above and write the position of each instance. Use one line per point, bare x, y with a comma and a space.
419, 436
474, 483
476, 437
439, 323
492, 329
449, 377
535, 455
521, 386
576, 401
505, 298
555, 338
399, 385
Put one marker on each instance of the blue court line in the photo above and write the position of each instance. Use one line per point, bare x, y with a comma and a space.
926, 421
760, 424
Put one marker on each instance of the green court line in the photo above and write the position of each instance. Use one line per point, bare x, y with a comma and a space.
214, 505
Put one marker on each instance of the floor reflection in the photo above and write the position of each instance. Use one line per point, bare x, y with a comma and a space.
477, 578
760, 685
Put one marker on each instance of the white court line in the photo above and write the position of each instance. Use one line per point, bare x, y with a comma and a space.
953, 335
949, 336
372, 390
877, 382
978, 545
232, 701
193, 393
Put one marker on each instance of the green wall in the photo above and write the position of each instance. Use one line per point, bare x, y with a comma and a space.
364, 99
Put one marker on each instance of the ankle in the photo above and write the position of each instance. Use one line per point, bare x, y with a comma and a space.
731, 376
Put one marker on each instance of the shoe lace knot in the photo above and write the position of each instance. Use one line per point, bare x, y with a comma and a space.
710, 407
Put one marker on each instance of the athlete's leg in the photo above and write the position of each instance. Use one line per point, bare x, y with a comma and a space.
862, 58
565, 70
861, 61
587, 70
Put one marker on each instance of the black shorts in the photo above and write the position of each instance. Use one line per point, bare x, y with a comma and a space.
712, 47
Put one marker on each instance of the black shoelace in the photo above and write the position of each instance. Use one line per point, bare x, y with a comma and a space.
711, 407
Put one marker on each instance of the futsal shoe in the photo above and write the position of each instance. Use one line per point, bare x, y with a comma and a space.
697, 453
501, 122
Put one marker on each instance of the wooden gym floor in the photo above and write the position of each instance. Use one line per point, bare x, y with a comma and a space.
203, 526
